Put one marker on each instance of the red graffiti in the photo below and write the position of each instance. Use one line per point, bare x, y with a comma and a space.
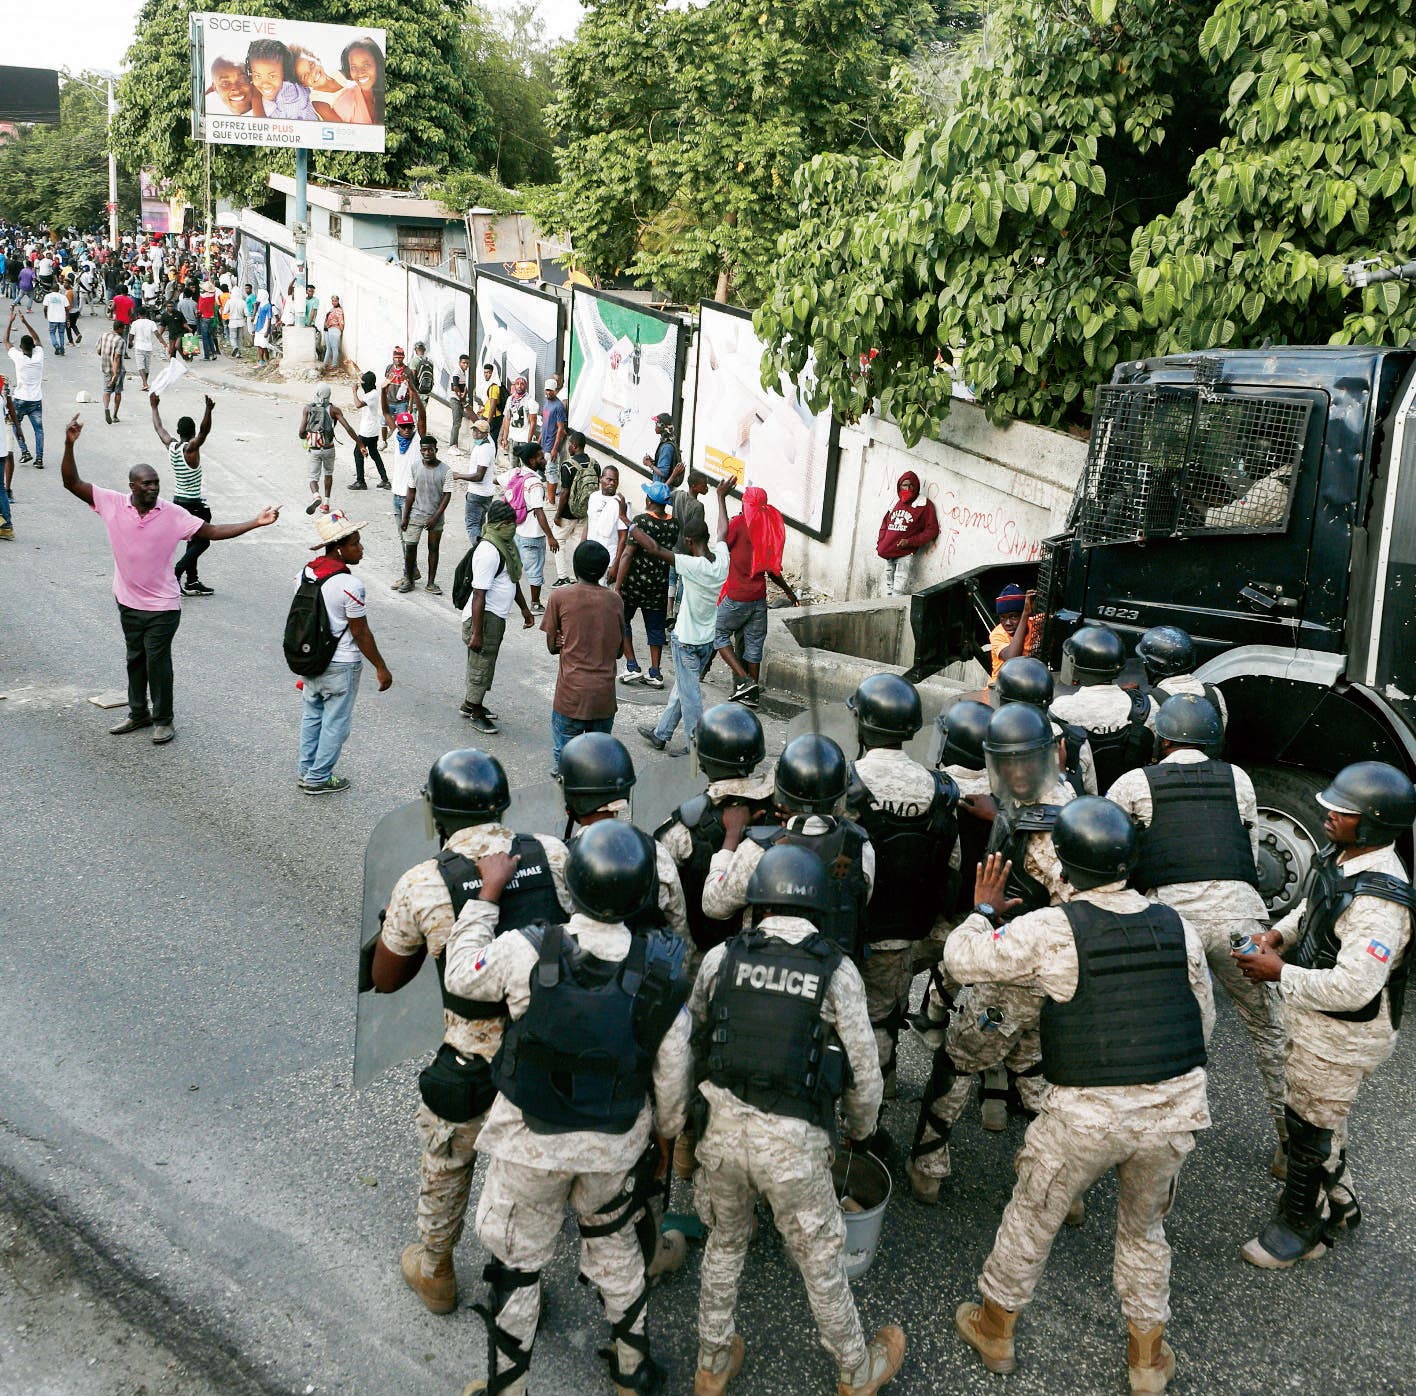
1010, 538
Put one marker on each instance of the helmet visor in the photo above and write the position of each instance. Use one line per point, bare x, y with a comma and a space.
1021, 779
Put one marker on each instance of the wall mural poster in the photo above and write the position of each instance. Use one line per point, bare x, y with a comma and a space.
757, 435
282, 273
253, 263
626, 365
439, 314
518, 332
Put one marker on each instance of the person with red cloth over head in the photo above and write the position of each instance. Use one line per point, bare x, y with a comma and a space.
910, 524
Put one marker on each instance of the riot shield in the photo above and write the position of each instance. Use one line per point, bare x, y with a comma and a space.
538, 809
662, 784
391, 1028
836, 721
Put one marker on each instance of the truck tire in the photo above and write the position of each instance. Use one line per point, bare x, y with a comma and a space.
1290, 832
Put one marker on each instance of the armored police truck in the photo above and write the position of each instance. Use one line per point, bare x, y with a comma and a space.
1265, 501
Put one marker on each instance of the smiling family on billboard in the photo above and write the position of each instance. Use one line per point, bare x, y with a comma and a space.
285, 82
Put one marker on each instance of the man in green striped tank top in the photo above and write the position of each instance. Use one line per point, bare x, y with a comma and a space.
185, 456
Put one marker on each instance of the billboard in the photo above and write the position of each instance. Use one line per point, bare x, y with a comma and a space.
757, 435
29, 94
626, 366
440, 315
155, 213
285, 82
518, 332
252, 263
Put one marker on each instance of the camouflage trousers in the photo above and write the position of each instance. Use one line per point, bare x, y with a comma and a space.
1058, 1162
735, 1166
1323, 1093
444, 1177
887, 975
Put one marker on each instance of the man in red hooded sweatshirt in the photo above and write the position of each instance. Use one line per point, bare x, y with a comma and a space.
910, 524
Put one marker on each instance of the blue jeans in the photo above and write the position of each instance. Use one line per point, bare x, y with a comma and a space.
564, 728
208, 338
324, 728
748, 618
56, 335
34, 411
533, 559
475, 512
331, 351
686, 696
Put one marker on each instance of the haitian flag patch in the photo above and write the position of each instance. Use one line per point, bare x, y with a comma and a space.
1378, 951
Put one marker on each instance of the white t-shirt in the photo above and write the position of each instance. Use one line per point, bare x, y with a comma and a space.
44, 267
29, 375
344, 601
369, 419
603, 521
534, 494
143, 335
56, 307
489, 574
518, 419
483, 454
237, 310
402, 464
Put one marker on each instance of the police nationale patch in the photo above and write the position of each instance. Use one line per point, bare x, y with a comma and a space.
1378, 951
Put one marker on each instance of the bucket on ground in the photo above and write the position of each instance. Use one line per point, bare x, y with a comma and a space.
866, 1180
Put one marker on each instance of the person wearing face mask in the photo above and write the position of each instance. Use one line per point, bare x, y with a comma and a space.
910, 524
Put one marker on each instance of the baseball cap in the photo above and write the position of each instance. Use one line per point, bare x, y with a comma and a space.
662, 419
553, 384
658, 491
404, 419
397, 348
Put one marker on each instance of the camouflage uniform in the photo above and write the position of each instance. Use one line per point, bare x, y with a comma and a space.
1099, 707
1143, 1131
1177, 684
420, 916
745, 1152
1086, 762
671, 903
532, 1176
1328, 1059
1215, 909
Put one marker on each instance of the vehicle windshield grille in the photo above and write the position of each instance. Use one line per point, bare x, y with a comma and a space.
1175, 462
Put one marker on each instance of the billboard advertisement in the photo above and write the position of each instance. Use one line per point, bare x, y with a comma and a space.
284, 82
252, 263
757, 435
626, 366
518, 332
155, 215
282, 272
440, 315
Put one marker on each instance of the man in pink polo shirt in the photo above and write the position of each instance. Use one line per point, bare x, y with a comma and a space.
144, 532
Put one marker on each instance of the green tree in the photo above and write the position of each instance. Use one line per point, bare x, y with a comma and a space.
681, 128
507, 49
997, 244
57, 176
436, 113
1317, 168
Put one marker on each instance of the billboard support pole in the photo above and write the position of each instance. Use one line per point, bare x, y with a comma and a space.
302, 217
112, 173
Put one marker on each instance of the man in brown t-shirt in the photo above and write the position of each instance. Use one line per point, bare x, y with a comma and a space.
584, 625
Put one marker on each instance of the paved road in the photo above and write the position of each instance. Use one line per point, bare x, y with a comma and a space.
176, 1014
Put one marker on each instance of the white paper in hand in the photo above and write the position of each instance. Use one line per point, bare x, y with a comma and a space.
174, 372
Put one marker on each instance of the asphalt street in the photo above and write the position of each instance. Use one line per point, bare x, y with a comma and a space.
177, 977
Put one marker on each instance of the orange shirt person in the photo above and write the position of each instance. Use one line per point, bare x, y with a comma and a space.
1018, 628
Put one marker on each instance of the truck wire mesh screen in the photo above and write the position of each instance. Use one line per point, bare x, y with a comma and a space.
1176, 462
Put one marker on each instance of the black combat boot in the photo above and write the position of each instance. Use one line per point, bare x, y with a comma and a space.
1297, 1228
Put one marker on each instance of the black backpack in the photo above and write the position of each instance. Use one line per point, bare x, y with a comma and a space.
310, 643
462, 577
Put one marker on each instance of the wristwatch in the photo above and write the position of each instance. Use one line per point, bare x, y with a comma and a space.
987, 910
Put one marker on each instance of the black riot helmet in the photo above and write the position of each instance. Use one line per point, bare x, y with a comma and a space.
610, 869
964, 727
1096, 652
1189, 720
1095, 841
1024, 680
595, 769
1020, 748
887, 710
730, 741
1380, 794
789, 879
811, 775
1164, 651
466, 787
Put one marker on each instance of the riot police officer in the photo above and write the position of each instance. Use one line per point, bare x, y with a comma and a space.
1127, 1014
1341, 984
731, 752
909, 814
809, 789
782, 1033
1167, 656
467, 794
595, 1060
1197, 822
597, 776
963, 729
1025, 680
1117, 721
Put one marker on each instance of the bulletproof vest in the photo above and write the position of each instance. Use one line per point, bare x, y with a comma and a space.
766, 1041
974, 834
704, 821
529, 897
1073, 739
1160, 695
582, 1055
1329, 894
1128, 748
912, 846
1134, 1018
1195, 833
840, 849
1009, 836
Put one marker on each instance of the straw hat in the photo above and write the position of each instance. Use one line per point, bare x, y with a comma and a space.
334, 527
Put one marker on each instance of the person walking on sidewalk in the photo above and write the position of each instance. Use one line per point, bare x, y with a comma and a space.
185, 456
368, 425
111, 351
496, 587
143, 531
56, 315
424, 507
28, 387
329, 697
333, 333
317, 424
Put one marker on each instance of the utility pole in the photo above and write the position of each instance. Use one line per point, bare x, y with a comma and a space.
112, 171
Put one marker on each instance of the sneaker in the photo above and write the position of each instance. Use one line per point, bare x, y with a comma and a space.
6, 532
403, 584
654, 679
324, 508
25, 456
482, 723
196, 589
486, 711
434, 588
107, 416
537, 609
653, 738
561, 582
358, 485
335, 785
39, 464
312, 506
383, 485
746, 691
634, 675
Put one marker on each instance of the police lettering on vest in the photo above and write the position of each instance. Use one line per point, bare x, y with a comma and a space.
1195, 833
781, 981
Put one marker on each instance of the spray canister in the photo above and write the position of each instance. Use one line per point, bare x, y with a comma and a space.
1241, 943
990, 1018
